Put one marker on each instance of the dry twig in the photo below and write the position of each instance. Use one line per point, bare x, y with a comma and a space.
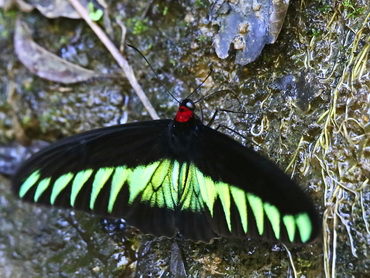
117, 56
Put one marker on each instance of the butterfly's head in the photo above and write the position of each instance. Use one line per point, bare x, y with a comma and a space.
186, 111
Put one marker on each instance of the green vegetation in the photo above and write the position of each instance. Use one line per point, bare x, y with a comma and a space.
200, 3
95, 15
138, 25
325, 8
165, 10
315, 32
351, 9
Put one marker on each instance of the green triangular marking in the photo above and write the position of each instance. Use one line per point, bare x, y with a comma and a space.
160, 173
59, 185
42, 186
196, 201
182, 178
274, 216
28, 183
185, 188
212, 192
157, 189
207, 190
147, 194
257, 209
240, 201
139, 179
151, 196
100, 179
159, 200
167, 193
290, 226
224, 195
174, 181
119, 178
167, 196
79, 180
304, 226
162, 196
190, 190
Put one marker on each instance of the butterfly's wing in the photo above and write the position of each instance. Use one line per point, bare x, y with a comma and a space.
200, 183
244, 194
104, 171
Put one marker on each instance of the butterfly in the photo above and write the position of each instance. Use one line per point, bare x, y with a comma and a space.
169, 177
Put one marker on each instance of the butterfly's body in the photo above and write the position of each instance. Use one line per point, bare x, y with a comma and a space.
171, 176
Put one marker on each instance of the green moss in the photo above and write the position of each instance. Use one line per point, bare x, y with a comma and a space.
352, 10
325, 8
200, 3
138, 25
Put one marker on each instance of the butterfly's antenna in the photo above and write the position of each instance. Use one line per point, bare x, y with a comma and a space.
146, 60
201, 84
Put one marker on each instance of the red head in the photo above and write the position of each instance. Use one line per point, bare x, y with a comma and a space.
186, 111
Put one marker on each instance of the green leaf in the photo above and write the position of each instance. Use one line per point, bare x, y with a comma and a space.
94, 15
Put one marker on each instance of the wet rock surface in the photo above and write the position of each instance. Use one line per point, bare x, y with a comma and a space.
248, 25
319, 59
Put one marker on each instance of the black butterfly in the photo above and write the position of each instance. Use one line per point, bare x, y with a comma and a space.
171, 176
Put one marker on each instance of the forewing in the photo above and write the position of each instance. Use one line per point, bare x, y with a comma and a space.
244, 194
106, 171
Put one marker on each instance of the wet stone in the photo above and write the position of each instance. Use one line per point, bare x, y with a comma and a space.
257, 22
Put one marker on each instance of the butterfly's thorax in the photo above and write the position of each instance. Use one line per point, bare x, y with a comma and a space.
183, 139
183, 133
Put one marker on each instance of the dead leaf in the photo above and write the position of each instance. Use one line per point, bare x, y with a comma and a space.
43, 63
57, 8
20, 4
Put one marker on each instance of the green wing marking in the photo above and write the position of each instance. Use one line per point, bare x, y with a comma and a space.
304, 226
170, 185
257, 208
158, 190
274, 216
42, 186
207, 190
139, 179
78, 182
290, 225
223, 191
59, 185
29, 182
189, 189
119, 178
100, 179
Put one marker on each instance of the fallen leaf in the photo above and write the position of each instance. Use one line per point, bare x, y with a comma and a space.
57, 8
43, 63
